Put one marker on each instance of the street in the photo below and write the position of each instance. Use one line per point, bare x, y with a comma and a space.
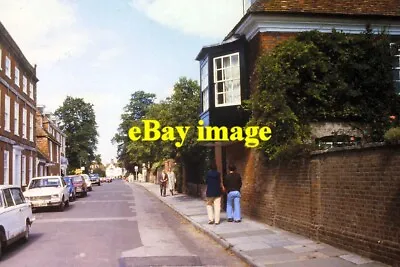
115, 225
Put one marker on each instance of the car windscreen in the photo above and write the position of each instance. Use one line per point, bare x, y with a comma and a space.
45, 182
77, 179
67, 180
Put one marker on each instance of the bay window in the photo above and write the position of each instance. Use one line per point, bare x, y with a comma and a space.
204, 86
227, 80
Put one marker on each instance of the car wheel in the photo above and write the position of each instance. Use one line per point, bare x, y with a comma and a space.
74, 196
85, 194
62, 205
27, 232
67, 203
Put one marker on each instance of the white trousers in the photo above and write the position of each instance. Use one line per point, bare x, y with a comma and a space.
214, 209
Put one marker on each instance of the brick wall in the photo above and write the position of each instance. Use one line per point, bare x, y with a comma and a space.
348, 198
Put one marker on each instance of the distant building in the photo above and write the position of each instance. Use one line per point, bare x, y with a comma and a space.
50, 141
112, 170
17, 113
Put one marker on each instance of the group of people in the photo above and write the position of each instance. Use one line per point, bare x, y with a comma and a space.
216, 187
167, 179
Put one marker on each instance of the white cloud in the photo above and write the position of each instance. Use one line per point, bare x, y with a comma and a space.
204, 18
112, 47
47, 31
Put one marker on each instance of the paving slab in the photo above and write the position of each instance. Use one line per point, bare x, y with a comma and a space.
260, 244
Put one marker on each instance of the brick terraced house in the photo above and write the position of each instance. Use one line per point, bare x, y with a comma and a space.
50, 141
17, 113
309, 196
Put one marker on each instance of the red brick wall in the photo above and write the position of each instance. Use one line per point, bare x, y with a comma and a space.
348, 198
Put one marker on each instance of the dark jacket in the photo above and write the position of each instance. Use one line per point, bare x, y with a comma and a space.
233, 182
213, 180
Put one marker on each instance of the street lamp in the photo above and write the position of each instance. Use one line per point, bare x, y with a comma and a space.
136, 170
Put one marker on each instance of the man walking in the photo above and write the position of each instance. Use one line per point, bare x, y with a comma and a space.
163, 183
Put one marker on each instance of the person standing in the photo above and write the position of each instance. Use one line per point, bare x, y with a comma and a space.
213, 194
171, 180
233, 184
163, 182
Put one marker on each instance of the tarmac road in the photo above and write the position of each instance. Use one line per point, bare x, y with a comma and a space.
116, 225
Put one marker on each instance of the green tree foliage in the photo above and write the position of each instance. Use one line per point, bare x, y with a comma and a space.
323, 77
134, 111
78, 122
181, 109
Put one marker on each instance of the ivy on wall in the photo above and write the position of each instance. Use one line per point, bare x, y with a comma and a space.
323, 77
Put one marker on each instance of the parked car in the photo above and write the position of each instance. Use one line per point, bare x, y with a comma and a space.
71, 188
79, 184
95, 179
48, 191
103, 179
15, 216
88, 182
108, 179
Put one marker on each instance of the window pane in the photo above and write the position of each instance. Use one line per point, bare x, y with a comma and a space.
219, 75
16, 194
227, 62
227, 74
396, 61
220, 87
218, 63
8, 197
236, 73
397, 86
235, 60
220, 99
228, 86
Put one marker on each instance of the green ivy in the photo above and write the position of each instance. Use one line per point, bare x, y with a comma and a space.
323, 77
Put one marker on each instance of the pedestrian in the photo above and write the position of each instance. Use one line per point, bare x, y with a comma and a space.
163, 183
213, 194
233, 184
171, 180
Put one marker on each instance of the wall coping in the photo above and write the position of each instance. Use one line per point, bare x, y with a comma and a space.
357, 147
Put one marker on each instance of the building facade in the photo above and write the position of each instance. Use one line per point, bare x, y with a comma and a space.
17, 113
50, 141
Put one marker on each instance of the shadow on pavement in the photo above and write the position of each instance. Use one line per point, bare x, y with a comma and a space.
19, 246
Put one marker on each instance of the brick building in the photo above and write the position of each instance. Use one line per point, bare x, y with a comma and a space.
50, 142
300, 196
17, 113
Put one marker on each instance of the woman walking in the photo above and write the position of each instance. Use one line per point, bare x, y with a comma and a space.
233, 183
213, 194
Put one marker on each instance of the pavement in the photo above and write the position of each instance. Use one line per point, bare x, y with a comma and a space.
260, 244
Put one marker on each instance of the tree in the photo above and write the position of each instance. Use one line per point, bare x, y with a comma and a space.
134, 111
78, 122
323, 77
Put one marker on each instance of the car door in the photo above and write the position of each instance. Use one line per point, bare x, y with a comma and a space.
11, 214
65, 189
22, 207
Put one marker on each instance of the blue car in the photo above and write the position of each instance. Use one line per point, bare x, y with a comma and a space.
71, 188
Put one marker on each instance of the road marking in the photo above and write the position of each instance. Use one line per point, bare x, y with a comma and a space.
103, 201
62, 220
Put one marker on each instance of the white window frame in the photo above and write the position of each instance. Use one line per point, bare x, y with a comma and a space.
7, 103
16, 118
24, 123
31, 127
30, 170
204, 86
8, 67
51, 150
6, 167
24, 84
231, 96
23, 170
16, 76
31, 90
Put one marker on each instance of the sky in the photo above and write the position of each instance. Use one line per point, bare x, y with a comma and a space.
104, 50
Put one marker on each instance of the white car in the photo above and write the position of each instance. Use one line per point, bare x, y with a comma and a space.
15, 216
87, 181
47, 191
